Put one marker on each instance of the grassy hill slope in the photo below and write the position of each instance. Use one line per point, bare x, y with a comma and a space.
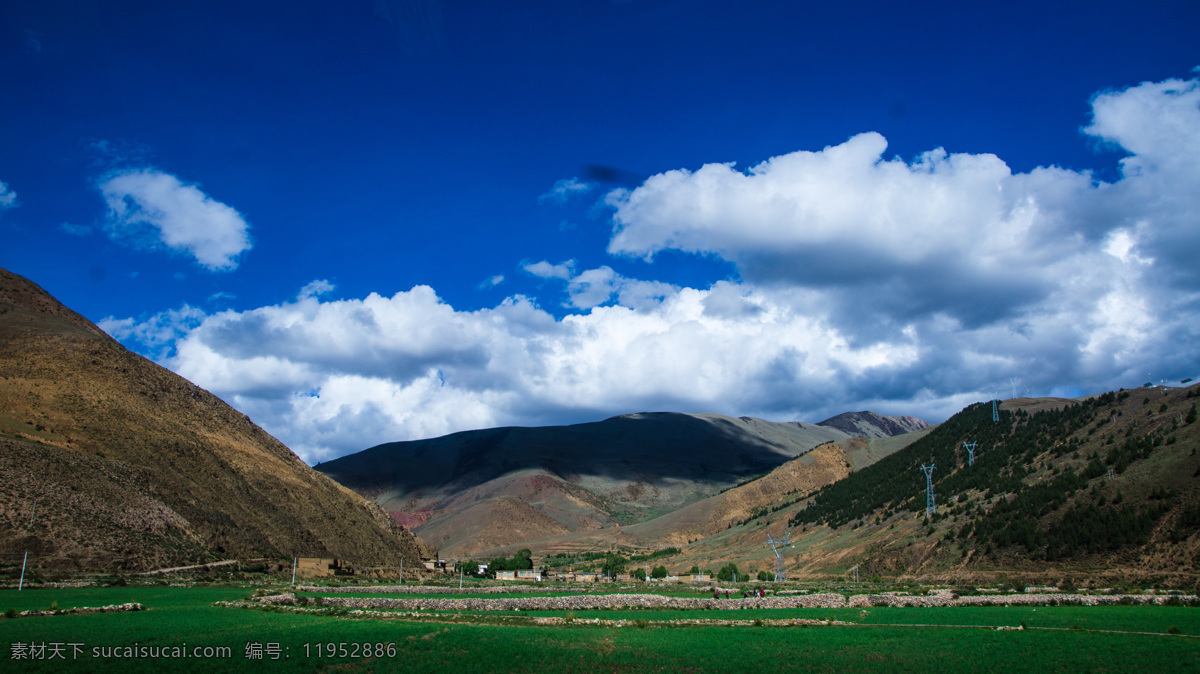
1039, 503
133, 467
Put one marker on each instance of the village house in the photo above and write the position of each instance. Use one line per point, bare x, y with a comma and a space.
523, 574
318, 567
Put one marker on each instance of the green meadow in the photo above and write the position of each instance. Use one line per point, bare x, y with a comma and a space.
1057, 639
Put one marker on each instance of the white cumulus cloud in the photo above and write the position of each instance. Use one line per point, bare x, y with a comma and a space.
905, 287
331, 377
153, 207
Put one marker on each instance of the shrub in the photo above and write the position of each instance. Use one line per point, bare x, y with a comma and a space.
727, 572
10, 613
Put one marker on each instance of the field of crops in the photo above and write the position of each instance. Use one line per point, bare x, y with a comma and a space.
187, 621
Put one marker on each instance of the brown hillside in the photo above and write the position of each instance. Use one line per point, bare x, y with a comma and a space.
723, 526
793, 480
133, 467
490, 524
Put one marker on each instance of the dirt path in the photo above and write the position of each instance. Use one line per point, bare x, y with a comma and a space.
226, 562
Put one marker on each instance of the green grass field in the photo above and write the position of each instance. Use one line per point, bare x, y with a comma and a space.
880, 642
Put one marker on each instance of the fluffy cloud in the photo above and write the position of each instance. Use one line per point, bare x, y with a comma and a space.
155, 208
959, 235
544, 269
903, 287
330, 377
593, 287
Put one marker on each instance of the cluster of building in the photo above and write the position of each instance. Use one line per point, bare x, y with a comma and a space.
318, 567
538, 575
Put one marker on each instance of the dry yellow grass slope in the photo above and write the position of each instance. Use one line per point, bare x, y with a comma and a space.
134, 467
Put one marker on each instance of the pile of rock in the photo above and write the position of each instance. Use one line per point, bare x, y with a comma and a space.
947, 598
655, 601
113, 608
576, 603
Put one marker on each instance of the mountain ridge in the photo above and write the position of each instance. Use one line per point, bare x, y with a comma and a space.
620, 471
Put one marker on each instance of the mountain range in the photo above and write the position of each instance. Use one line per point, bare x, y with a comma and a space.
485, 490
111, 462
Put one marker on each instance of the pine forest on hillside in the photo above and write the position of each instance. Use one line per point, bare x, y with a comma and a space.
1113, 477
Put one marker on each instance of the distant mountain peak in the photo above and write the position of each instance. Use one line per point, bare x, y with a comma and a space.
867, 424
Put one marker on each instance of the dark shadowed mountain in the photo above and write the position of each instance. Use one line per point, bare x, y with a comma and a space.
559, 479
133, 467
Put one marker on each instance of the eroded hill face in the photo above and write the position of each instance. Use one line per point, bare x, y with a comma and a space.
868, 424
133, 467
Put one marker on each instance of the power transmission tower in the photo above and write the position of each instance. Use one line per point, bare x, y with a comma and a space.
995, 412
930, 506
779, 546
970, 446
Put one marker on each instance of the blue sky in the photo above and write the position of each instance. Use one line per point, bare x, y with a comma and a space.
378, 220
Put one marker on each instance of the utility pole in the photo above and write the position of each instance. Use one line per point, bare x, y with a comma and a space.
21, 583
